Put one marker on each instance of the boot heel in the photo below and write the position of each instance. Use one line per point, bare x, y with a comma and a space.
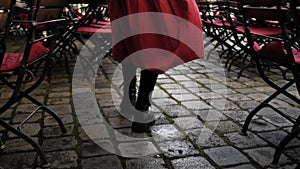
140, 127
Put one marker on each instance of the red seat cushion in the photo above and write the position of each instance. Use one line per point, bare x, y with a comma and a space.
261, 30
87, 29
221, 23
296, 54
13, 60
100, 26
275, 51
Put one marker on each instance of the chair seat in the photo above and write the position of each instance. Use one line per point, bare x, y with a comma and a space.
87, 29
13, 60
275, 51
221, 23
101, 22
100, 26
261, 30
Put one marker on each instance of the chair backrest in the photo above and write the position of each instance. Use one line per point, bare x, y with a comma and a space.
6, 7
46, 3
291, 30
262, 10
41, 10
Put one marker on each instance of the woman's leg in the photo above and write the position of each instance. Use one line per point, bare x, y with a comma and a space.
143, 118
147, 84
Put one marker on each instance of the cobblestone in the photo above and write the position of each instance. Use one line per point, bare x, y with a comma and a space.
101, 162
200, 112
226, 155
177, 148
146, 163
264, 156
192, 162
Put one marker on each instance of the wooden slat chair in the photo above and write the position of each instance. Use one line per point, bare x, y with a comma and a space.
19, 65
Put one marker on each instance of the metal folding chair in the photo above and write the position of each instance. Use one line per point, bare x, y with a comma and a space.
273, 51
20, 65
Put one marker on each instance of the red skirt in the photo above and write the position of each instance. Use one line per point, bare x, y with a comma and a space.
156, 34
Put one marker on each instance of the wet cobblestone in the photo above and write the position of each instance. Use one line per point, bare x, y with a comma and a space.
200, 115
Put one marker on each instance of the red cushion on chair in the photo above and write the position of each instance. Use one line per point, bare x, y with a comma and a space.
95, 21
296, 54
273, 50
221, 23
258, 30
86, 29
13, 60
37, 50
100, 26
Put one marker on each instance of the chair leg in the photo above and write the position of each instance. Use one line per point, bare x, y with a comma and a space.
263, 104
33, 143
250, 116
297, 124
33, 100
282, 144
48, 110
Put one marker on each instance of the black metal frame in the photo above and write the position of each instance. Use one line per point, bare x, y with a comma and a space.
281, 15
16, 86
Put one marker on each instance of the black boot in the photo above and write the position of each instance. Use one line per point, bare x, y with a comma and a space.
144, 117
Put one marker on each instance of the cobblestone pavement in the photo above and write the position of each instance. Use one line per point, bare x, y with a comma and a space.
200, 109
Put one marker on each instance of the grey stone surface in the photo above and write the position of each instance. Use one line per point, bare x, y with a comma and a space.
66, 119
18, 118
245, 166
200, 109
210, 115
205, 138
31, 129
175, 111
166, 132
294, 153
238, 116
111, 162
55, 131
226, 155
192, 162
275, 138
186, 123
249, 141
18, 145
146, 163
264, 156
18, 160
91, 149
196, 105
63, 159
61, 143
177, 148
260, 125
137, 149
224, 126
